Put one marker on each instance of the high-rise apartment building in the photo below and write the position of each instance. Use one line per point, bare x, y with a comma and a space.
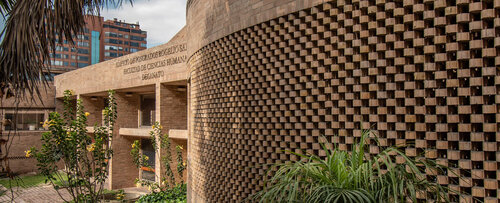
101, 40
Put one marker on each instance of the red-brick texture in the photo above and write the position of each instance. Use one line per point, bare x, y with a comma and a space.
123, 172
173, 115
414, 71
20, 142
94, 107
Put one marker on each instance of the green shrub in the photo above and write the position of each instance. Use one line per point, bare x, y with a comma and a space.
175, 194
354, 176
67, 147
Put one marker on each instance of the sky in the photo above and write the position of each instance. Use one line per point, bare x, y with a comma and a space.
162, 19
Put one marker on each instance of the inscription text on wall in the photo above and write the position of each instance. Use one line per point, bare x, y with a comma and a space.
150, 66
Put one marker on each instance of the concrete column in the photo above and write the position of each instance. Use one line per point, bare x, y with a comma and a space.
171, 112
123, 172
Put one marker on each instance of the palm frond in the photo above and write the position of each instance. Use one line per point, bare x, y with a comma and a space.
352, 177
30, 34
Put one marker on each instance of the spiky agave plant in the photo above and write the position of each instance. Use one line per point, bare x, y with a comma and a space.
353, 176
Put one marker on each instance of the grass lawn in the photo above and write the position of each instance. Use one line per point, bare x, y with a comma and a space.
26, 181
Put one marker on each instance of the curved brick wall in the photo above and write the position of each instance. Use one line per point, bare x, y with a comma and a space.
210, 20
423, 72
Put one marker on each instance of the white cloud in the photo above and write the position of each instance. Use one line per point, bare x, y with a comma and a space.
162, 19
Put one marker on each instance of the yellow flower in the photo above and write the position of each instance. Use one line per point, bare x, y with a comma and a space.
184, 163
87, 114
133, 145
161, 127
46, 124
90, 147
180, 147
28, 153
120, 196
146, 158
153, 127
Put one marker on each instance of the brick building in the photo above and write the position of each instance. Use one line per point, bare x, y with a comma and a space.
151, 86
101, 40
267, 76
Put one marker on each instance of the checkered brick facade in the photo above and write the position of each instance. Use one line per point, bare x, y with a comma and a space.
414, 71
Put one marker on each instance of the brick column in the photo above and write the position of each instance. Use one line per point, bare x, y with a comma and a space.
123, 172
171, 112
94, 107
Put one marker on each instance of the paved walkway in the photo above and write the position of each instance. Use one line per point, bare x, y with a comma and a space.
42, 193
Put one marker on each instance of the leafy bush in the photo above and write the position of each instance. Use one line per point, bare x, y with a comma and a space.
175, 194
354, 177
84, 157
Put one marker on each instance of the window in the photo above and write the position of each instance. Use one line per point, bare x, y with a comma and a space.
82, 37
132, 37
137, 31
144, 45
110, 54
83, 44
113, 41
133, 50
83, 58
110, 34
59, 56
148, 116
83, 51
134, 44
57, 63
49, 77
111, 47
24, 121
124, 29
81, 65
73, 64
147, 149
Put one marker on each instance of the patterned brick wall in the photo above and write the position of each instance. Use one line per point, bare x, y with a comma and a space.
414, 71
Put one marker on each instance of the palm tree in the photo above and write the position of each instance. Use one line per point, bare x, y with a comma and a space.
353, 177
30, 33
29, 36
